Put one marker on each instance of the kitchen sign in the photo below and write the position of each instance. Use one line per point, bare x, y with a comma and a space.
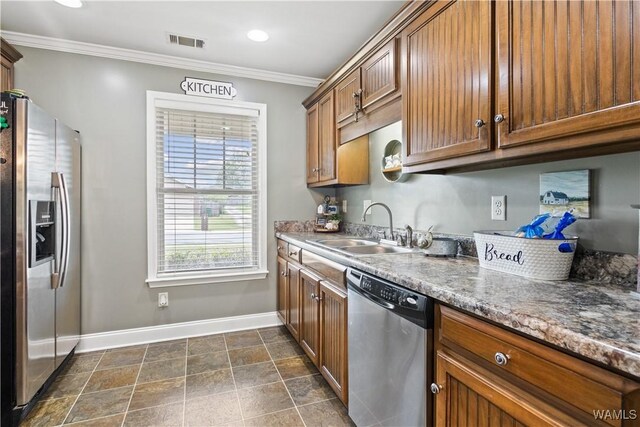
209, 88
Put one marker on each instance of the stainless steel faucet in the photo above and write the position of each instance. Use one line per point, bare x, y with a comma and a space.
409, 231
364, 219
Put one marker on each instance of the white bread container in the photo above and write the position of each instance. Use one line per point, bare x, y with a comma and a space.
543, 259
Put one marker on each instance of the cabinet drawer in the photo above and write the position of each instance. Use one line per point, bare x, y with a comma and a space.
336, 273
569, 379
283, 248
293, 253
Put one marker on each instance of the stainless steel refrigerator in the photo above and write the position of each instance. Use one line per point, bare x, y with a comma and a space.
40, 241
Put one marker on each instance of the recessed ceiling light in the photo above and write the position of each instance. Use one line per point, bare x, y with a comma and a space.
258, 36
70, 3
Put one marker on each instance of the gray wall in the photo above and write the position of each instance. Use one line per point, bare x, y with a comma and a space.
105, 100
460, 203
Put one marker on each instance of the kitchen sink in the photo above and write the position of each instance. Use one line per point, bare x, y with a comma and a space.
376, 249
341, 243
359, 246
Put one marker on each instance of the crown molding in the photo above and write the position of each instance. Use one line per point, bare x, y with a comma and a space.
91, 49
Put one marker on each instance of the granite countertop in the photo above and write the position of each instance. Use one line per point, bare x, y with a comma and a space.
600, 322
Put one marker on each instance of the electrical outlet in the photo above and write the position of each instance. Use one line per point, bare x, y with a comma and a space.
499, 208
366, 205
344, 206
163, 299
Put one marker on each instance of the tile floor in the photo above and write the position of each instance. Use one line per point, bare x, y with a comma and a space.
248, 378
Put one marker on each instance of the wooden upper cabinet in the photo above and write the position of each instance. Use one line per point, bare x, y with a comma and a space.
446, 82
313, 162
379, 76
9, 56
367, 88
321, 141
346, 92
567, 69
326, 139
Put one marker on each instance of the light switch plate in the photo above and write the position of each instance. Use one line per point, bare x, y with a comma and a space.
499, 208
366, 205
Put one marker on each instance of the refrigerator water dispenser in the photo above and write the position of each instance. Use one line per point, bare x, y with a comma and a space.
42, 232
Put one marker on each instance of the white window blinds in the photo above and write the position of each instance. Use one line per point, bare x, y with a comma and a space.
207, 190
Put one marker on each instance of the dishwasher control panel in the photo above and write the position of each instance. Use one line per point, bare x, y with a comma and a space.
394, 297
389, 293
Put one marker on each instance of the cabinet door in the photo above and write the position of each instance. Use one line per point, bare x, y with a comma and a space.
470, 395
333, 335
293, 300
446, 82
310, 315
567, 68
326, 139
345, 102
313, 163
282, 290
379, 76
6, 78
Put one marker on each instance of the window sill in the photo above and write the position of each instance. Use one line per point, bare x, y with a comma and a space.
190, 280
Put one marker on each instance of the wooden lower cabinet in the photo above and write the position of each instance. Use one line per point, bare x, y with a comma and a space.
313, 307
310, 315
472, 396
282, 290
293, 300
488, 375
333, 337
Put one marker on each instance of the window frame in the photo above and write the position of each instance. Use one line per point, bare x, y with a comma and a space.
202, 104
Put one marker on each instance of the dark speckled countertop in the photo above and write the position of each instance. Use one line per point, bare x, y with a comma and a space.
598, 321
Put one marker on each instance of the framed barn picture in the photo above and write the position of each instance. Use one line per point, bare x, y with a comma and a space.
563, 191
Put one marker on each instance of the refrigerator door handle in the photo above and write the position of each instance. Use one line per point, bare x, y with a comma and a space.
58, 277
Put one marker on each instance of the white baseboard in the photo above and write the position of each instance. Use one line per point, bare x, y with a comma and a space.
172, 331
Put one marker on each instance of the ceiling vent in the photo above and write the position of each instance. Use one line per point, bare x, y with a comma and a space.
186, 41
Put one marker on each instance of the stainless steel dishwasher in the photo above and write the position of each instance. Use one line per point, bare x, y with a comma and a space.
390, 342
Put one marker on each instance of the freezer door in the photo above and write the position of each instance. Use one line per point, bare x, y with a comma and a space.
68, 294
35, 300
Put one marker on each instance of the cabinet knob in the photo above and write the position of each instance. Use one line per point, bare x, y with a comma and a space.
313, 295
499, 118
283, 274
435, 388
479, 123
314, 170
293, 254
280, 248
501, 359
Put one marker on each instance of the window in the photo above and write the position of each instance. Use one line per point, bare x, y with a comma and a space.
206, 190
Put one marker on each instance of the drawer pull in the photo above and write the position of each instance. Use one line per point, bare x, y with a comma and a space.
501, 359
435, 388
293, 253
